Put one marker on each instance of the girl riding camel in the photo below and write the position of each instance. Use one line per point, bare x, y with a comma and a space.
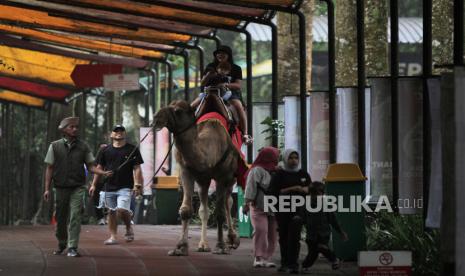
229, 80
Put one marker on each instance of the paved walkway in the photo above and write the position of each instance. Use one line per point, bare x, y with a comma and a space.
26, 250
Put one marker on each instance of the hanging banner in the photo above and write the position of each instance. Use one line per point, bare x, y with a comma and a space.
319, 117
367, 140
459, 121
433, 218
292, 135
162, 147
380, 139
410, 145
346, 125
146, 150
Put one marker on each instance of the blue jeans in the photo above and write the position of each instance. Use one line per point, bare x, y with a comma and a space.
227, 95
120, 199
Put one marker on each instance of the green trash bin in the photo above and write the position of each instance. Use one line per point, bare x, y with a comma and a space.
166, 199
245, 226
347, 180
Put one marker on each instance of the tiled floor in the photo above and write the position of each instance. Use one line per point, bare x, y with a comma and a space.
27, 250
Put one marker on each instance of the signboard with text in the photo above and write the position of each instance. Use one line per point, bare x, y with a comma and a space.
120, 82
385, 263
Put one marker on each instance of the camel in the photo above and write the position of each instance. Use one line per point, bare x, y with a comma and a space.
205, 152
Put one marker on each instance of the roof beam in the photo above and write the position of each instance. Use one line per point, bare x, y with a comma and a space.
34, 89
26, 17
111, 18
81, 42
159, 11
15, 42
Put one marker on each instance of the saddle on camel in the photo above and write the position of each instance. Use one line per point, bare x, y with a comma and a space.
205, 151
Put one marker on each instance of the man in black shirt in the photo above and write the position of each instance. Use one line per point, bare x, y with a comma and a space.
124, 160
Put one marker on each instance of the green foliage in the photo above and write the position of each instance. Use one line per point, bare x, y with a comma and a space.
275, 128
389, 231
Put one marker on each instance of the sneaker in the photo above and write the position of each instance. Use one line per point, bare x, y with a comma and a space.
101, 221
268, 264
72, 252
129, 236
110, 241
60, 250
283, 268
258, 263
336, 264
294, 269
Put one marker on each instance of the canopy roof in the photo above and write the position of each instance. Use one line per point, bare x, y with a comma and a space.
63, 33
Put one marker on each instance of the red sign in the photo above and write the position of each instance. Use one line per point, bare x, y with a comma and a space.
386, 271
91, 75
385, 263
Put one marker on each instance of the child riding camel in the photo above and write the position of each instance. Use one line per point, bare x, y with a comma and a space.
230, 81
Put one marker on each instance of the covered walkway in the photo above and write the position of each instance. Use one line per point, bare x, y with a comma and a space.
27, 250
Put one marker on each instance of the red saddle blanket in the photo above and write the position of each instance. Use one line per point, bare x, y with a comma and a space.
236, 138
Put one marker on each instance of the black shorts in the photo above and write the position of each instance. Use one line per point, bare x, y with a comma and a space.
236, 95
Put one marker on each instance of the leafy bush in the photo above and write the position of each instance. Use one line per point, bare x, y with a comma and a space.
274, 128
390, 231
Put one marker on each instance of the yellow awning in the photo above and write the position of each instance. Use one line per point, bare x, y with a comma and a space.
37, 66
160, 11
40, 19
82, 42
10, 96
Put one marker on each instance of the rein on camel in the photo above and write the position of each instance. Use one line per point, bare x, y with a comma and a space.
136, 147
167, 154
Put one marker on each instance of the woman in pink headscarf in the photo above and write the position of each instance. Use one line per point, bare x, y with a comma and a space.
264, 223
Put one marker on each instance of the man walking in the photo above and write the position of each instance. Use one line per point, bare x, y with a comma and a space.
65, 161
124, 160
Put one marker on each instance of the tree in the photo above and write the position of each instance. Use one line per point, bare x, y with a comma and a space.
376, 46
288, 50
346, 43
442, 32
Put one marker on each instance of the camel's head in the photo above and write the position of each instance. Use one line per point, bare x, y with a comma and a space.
176, 117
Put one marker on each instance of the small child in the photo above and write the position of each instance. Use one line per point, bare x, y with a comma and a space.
318, 225
217, 77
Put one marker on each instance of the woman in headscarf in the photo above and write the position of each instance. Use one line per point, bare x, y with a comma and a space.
265, 229
291, 180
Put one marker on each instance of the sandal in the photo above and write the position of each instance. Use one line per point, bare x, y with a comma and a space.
129, 236
247, 139
110, 241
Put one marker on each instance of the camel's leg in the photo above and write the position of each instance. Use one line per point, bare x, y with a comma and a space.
204, 214
220, 217
233, 239
186, 213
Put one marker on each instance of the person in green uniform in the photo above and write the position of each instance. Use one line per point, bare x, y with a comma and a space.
65, 161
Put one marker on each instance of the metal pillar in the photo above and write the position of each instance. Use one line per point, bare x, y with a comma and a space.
249, 97
361, 84
303, 89
427, 72
153, 88
458, 32
332, 81
394, 98
274, 79
185, 55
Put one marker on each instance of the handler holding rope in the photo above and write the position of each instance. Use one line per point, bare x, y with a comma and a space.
124, 160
